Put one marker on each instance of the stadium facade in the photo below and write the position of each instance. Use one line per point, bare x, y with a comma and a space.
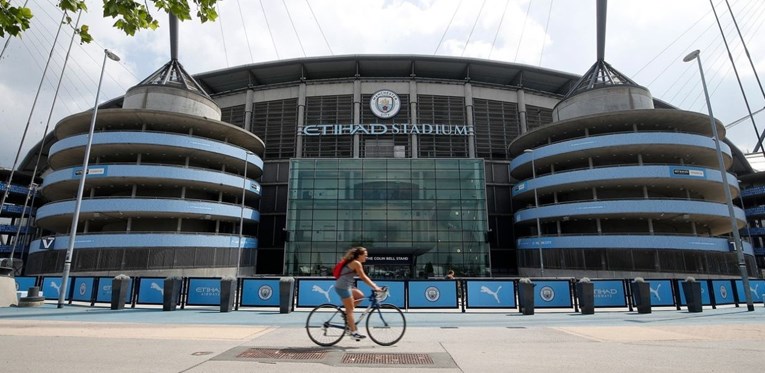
407, 155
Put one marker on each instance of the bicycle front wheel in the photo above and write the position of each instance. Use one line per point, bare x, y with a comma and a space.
326, 325
386, 325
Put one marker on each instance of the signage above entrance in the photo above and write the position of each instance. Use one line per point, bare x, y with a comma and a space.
387, 129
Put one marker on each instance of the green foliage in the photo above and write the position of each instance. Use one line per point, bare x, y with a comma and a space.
13, 20
130, 15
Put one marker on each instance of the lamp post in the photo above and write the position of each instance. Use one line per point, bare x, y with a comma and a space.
81, 188
241, 213
743, 207
536, 205
728, 198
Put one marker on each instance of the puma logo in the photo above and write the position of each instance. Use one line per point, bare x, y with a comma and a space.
158, 288
56, 286
319, 290
495, 294
655, 292
753, 290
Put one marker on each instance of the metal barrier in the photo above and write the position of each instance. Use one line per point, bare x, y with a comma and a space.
463, 294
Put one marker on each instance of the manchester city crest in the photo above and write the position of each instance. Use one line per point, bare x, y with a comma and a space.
385, 104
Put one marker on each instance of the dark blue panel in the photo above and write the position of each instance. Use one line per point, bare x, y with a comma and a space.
609, 293
51, 286
150, 290
432, 294
312, 293
396, 295
260, 292
204, 292
83, 289
490, 294
552, 294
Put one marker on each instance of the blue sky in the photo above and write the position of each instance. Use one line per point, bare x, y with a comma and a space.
646, 40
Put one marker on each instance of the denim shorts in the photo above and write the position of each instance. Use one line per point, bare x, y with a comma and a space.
343, 293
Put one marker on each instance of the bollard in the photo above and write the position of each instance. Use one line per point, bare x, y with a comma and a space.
286, 294
33, 298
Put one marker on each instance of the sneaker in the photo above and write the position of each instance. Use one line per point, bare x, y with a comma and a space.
357, 336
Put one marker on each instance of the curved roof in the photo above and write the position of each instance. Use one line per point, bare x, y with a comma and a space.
386, 66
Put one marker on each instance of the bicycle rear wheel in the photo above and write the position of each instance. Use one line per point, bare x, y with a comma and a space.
386, 325
326, 324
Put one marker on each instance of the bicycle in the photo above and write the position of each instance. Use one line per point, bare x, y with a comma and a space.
386, 324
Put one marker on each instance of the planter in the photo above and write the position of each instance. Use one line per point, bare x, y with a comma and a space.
286, 294
692, 292
641, 293
526, 298
171, 293
227, 295
585, 291
119, 292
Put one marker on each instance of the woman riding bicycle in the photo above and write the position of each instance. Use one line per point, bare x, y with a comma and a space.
350, 295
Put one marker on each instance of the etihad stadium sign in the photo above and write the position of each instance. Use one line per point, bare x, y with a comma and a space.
387, 129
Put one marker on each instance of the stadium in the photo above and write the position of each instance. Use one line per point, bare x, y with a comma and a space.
433, 163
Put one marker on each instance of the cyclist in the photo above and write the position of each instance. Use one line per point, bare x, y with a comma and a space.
350, 295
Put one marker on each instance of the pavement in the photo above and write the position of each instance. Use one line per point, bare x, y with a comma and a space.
202, 339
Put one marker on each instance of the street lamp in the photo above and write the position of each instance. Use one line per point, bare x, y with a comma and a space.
81, 189
241, 213
728, 198
536, 205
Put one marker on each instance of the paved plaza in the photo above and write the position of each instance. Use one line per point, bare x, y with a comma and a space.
97, 339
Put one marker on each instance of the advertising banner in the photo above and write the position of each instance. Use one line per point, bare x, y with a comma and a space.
661, 293
396, 293
756, 288
432, 294
552, 294
104, 294
150, 290
490, 294
24, 283
723, 291
83, 289
51, 286
312, 293
705, 299
609, 293
260, 292
204, 292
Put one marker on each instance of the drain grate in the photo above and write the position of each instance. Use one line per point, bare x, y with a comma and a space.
283, 354
387, 359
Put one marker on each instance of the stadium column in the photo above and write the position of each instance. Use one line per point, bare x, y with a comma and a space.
469, 117
300, 120
522, 110
356, 115
413, 117
247, 125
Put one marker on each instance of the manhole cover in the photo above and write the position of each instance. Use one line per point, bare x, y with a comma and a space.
282, 354
387, 359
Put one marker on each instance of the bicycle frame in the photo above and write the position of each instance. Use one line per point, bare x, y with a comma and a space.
374, 304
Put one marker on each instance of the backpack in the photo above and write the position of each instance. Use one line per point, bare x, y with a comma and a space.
339, 268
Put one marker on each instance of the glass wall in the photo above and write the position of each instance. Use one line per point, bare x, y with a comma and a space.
417, 217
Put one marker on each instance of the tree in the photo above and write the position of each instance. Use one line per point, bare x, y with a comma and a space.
130, 15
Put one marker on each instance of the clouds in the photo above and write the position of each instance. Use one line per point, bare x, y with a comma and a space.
646, 40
